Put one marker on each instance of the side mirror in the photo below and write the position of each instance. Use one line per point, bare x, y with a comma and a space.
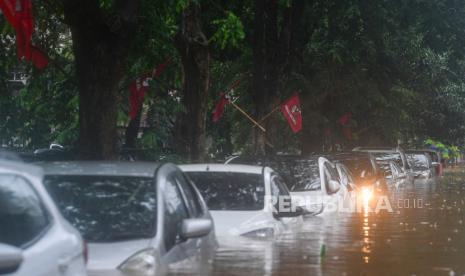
10, 259
333, 186
299, 211
195, 228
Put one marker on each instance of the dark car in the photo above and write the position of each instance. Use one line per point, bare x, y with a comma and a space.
421, 163
363, 167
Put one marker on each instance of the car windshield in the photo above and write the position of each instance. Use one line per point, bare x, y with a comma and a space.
418, 161
386, 168
299, 174
230, 190
106, 208
383, 157
361, 168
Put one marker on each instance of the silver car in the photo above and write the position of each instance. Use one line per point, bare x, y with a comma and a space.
30, 222
136, 217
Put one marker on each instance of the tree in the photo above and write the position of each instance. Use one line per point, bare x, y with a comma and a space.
195, 58
102, 35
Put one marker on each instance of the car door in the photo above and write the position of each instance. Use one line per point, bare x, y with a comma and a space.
399, 176
280, 191
27, 224
331, 187
175, 211
195, 248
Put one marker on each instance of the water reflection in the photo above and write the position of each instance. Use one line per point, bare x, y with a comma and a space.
425, 240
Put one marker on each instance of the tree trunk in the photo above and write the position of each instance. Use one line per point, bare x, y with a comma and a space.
100, 43
264, 70
272, 53
195, 57
132, 130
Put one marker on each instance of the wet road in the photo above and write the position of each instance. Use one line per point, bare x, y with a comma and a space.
425, 235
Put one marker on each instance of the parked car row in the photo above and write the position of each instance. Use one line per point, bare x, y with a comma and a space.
74, 218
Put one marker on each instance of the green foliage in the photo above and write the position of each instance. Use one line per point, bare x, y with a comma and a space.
230, 31
398, 66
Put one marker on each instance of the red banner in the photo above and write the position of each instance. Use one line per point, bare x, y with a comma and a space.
292, 112
137, 91
224, 100
19, 14
140, 85
219, 108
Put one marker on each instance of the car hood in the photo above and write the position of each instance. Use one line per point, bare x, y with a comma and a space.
236, 223
108, 256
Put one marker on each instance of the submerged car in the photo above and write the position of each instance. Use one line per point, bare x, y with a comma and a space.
244, 200
136, 217
313, 181
385, 155
31, 222
395, 177
421, 164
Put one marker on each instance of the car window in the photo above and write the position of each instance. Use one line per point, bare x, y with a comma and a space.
395, 170
230, 190
299, 174
386, 169
175, 212
362, 168
190, 196
418, 161
106, 208
331, 172
22, 216
346, 178
389, 156
278, 187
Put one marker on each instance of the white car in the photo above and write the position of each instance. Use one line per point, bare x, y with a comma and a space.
30, 221
313, 181
136, 217
396, 178
317, 185
244, 200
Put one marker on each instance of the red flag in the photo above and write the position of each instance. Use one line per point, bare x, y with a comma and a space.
344, 119
219, 108
19, 14
8, 9
140, 85
224, 100
137, 91
39, 59
24, 28
157, 71
292, 112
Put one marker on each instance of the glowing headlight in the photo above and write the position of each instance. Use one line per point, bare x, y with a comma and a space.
260, 234
367, 193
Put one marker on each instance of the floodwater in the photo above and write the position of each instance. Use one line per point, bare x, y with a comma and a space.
424, 235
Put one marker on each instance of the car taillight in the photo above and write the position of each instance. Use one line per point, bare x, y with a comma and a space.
85, 251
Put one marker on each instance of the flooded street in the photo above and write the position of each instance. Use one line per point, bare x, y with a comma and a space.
423, 236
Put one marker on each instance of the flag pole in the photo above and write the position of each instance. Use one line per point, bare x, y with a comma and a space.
248, 116
269, 114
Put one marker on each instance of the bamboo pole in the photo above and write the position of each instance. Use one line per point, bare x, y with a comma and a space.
248, 116
269, 114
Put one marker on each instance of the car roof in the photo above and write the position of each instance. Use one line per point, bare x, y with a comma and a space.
336, 156
222, 168
377, 149
420, 151
119, 168
18, 167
